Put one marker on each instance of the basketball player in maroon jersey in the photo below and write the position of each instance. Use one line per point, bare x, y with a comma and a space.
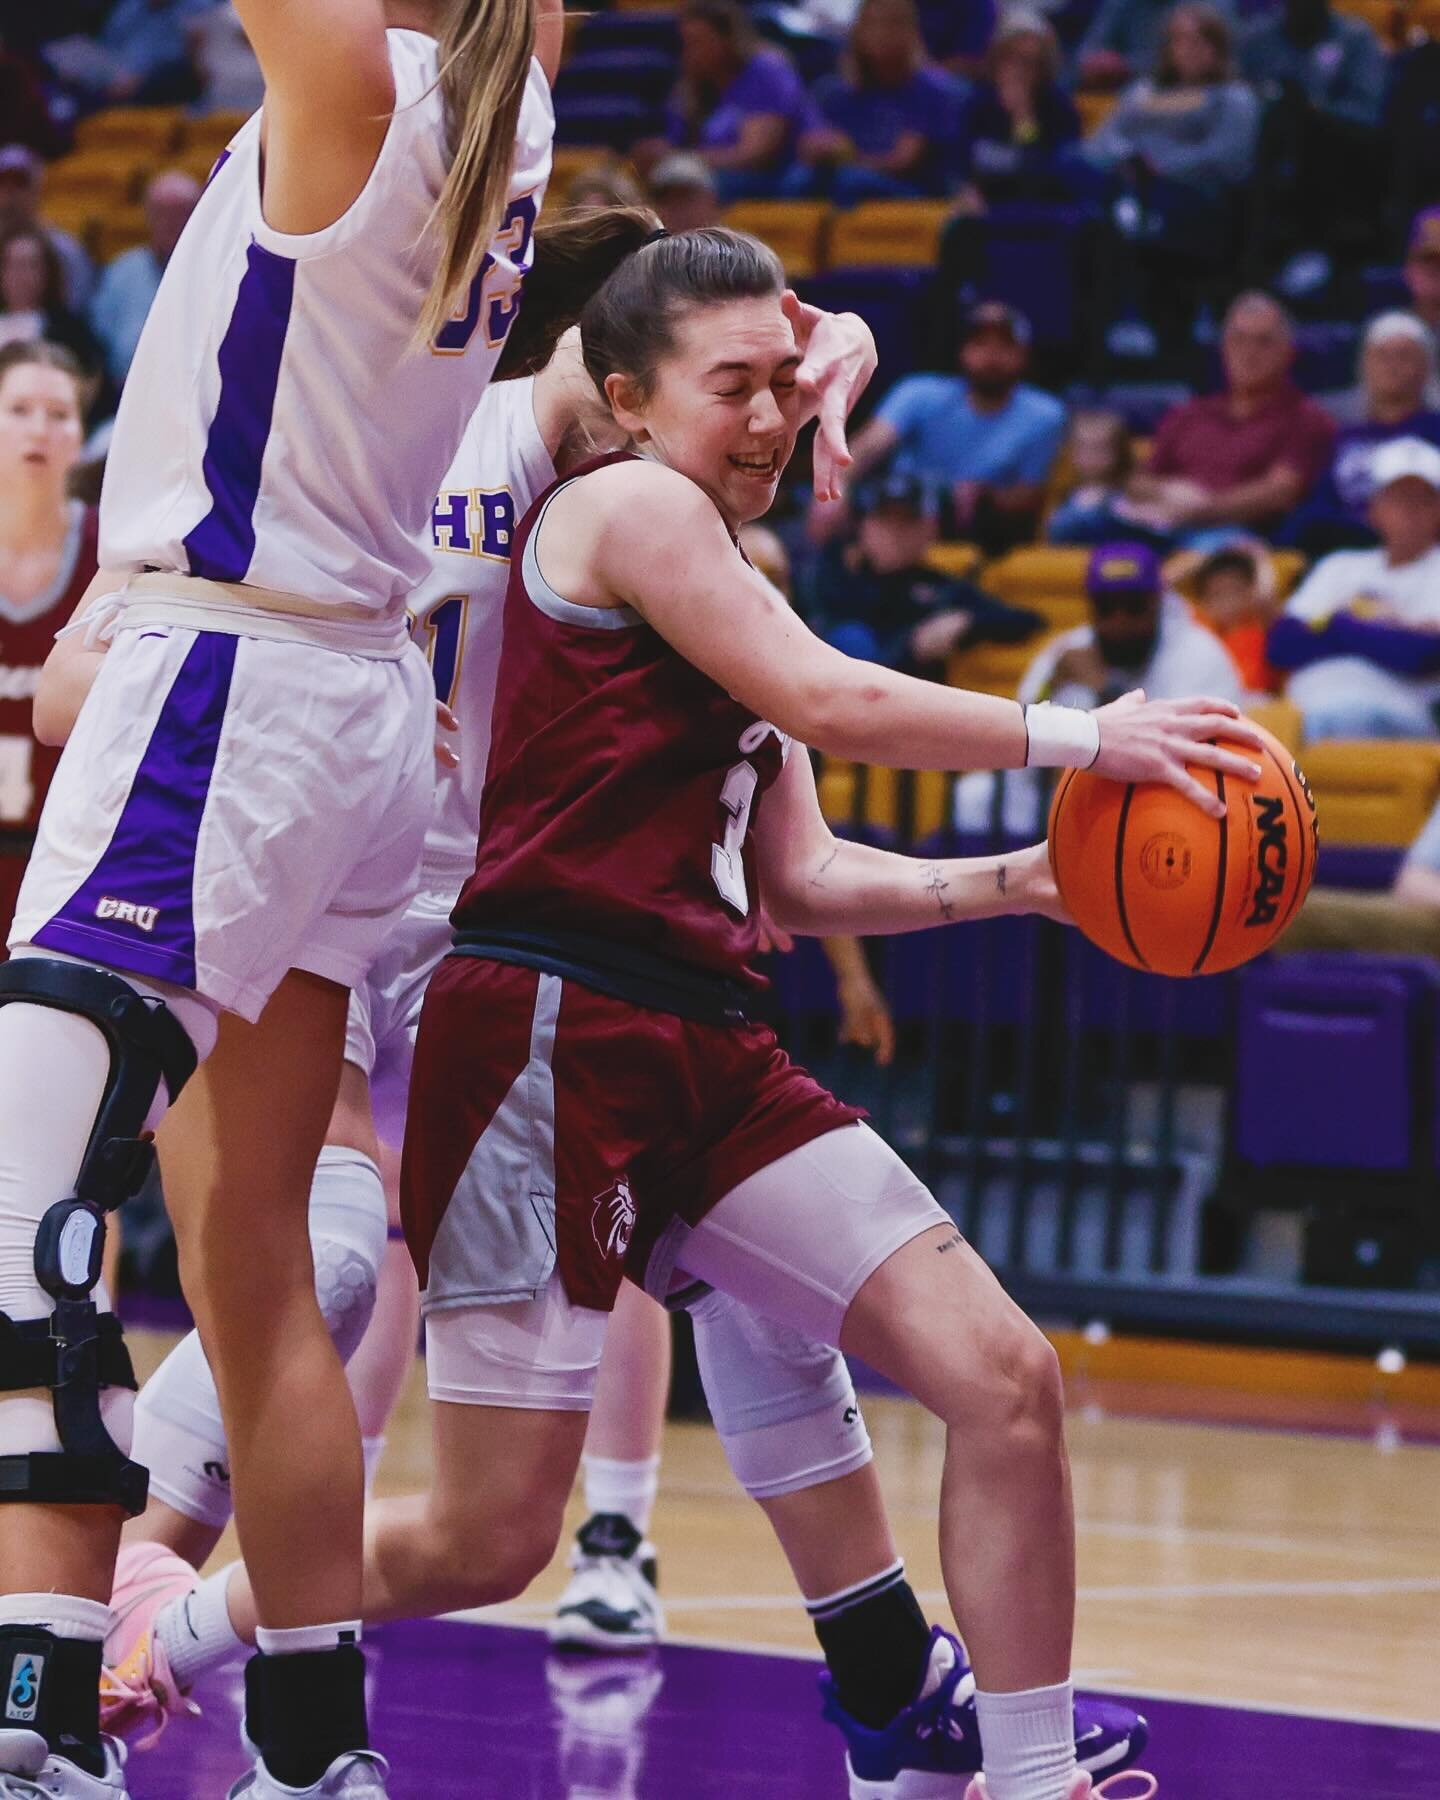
47, 560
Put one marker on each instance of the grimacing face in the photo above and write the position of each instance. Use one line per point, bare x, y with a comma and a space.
724, 407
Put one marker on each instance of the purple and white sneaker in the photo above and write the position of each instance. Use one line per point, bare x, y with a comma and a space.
931, 1749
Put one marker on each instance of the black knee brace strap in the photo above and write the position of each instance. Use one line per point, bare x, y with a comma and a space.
78, 1351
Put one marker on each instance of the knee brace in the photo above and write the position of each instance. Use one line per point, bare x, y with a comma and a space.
78, 1351
347, 1240
784, 1405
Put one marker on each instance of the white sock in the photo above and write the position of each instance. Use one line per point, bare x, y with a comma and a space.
195, 1631
612, 1486
63, 1615
372, 1449
290, 1639
1029, 1741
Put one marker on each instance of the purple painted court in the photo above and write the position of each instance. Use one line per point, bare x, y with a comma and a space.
483, 1712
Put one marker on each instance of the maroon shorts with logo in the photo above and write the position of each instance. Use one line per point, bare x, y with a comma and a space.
552, 1126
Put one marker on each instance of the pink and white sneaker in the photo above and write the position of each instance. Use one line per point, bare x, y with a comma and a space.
137, 1689
1131, 1784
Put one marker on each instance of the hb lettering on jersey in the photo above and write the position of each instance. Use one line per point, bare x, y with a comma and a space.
474, 522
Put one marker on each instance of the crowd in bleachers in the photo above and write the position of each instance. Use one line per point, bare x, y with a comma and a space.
1157, 288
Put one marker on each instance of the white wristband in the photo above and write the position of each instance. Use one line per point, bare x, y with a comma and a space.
1060, 737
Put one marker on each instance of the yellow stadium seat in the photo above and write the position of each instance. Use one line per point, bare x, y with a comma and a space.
995, 668
212, 133
1037, 573
794, 230
1282, 719
572, 160
1094, 109
98, 175
74, 213
1287, 566
901, 234
118, 228
888, 800
152, 129
1372, 792
958, 561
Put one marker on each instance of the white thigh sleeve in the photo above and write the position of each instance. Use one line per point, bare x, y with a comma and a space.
783, 1404
179, 1436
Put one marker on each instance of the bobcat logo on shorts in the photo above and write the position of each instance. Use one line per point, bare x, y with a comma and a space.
612, 1222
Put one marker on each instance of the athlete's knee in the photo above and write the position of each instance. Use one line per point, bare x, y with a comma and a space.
783, 1404
121, 1051
347, 1242
481, 1559
1015, 1395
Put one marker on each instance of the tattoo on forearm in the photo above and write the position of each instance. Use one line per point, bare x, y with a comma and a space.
815, 879
953, 1242
936, 885
1000, 878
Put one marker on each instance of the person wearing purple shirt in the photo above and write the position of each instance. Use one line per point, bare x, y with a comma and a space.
738, 106
1397, 364
883, 127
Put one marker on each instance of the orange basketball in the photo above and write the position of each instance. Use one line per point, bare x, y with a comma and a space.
1148, 877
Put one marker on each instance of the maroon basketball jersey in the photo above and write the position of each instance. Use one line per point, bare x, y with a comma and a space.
622, 782
27, 632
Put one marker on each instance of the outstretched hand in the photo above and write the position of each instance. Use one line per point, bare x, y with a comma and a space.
1154, 740
838, 358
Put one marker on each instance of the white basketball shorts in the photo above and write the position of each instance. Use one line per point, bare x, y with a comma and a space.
232, 807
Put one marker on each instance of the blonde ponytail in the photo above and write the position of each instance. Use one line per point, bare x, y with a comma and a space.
485, 50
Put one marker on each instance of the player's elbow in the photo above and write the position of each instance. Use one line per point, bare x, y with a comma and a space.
51, 717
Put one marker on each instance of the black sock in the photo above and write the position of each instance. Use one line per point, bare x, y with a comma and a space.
52, 1686
876, 1641
304, 1708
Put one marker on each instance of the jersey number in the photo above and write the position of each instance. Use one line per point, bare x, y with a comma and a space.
727, 858
498, 309
444, 641
17, 790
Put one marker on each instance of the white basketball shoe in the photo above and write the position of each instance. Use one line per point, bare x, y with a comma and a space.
358, 1775
611, 1603
29, 1772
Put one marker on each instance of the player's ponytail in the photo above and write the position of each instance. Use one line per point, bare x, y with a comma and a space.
628, 328
575, 253
485, 50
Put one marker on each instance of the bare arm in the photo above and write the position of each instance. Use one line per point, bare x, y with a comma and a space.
550, 36
70, 670
759, 141
815, 883
1276, 491
695, 589
1416, 885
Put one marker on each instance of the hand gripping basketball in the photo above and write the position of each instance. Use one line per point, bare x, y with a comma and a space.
1154, 740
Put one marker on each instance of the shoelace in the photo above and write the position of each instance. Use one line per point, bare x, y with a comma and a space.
1109, 1788
139, 1691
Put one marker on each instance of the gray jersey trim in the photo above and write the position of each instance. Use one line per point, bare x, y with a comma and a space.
555, 606
497, 1239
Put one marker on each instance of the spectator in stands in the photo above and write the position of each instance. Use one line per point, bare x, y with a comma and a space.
1361, 635
738, 106
1247, 455
1141, 634
883, 127
1397, 368
683, 192
1422, 272
32, 298
1124, 39
1417, 881
957, 36
226, 68
139, 55
23, 105
1099, 464
608, 183
984, 437
21, 175
1018, 124
883, 603
1235, 595
129, 284
1322, 76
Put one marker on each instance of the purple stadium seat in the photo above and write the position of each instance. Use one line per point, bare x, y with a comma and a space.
891, 303
630, 31
1325, 1061
1033, 258
607, 119
1325, 355
1112, 996
646, 75
804, 982
1360, 867
930, 973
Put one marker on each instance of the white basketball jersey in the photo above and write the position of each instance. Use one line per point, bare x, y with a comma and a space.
280, 425
499, 472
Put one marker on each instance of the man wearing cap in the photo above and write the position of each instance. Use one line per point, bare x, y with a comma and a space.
983, 437
1247, 455
1140, 635
20, 177
883, 604
1397, 366
1361, 635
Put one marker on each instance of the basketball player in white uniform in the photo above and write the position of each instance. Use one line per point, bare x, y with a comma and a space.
236, 828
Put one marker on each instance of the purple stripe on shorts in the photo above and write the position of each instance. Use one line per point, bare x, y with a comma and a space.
136, 909
221, 545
